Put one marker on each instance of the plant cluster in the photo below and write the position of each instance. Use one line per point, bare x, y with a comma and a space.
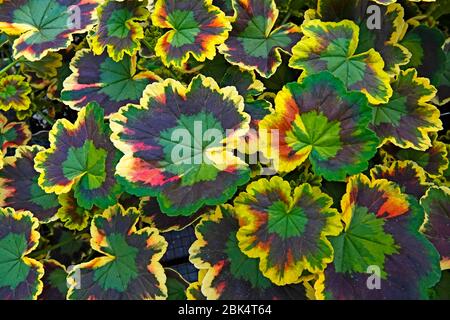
305, 141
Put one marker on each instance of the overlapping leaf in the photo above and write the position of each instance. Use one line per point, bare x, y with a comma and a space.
332, 47
407, 118
229, 273
20, 276
286, 229
14, 91
319, 119
410, 177
19, 188
45, 68
100, 79
437, 227
434, 160
13, 134
253, 43
71, 214
129, 268
81, 158
176, 285
177, 145
196, 28
381, 28
380, 238
119, 28
45, 25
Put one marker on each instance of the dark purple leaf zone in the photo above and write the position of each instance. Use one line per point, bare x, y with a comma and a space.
20, 188
55, 281
437, 226
230, 273
426, 44
21, 16
253, 43
130, 267
152, 214
145, 134
100, 79
410, 177
225, 5
82, 157
380, 273
18, 237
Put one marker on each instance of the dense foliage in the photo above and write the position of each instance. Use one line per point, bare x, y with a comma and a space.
305, 142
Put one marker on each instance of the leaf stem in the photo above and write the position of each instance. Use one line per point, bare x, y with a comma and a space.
45, 250
286, 18
445, 114
9, 66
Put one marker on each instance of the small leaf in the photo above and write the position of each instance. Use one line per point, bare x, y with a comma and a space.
20, 188
14, 91
81, 158
13, 134
55, 281
331, 46
196, 28
253, 44
20, 276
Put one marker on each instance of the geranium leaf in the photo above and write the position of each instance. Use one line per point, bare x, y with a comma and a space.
13, 134
434, 160
230, 274
253, 44
100, 79
45, 68
20, 276
166, 153
45, 25
273, 216
196, 28
331, 46
118, 29
426, 45
81, 157
151, 214
129, 267
20, 189
55, 281
14, 91
410, 177
437, 226
381, 29
319, 119
382, 234
407, 118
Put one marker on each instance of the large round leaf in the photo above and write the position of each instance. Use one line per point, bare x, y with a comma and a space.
81, 157
196, 28
177, 144
319, 119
